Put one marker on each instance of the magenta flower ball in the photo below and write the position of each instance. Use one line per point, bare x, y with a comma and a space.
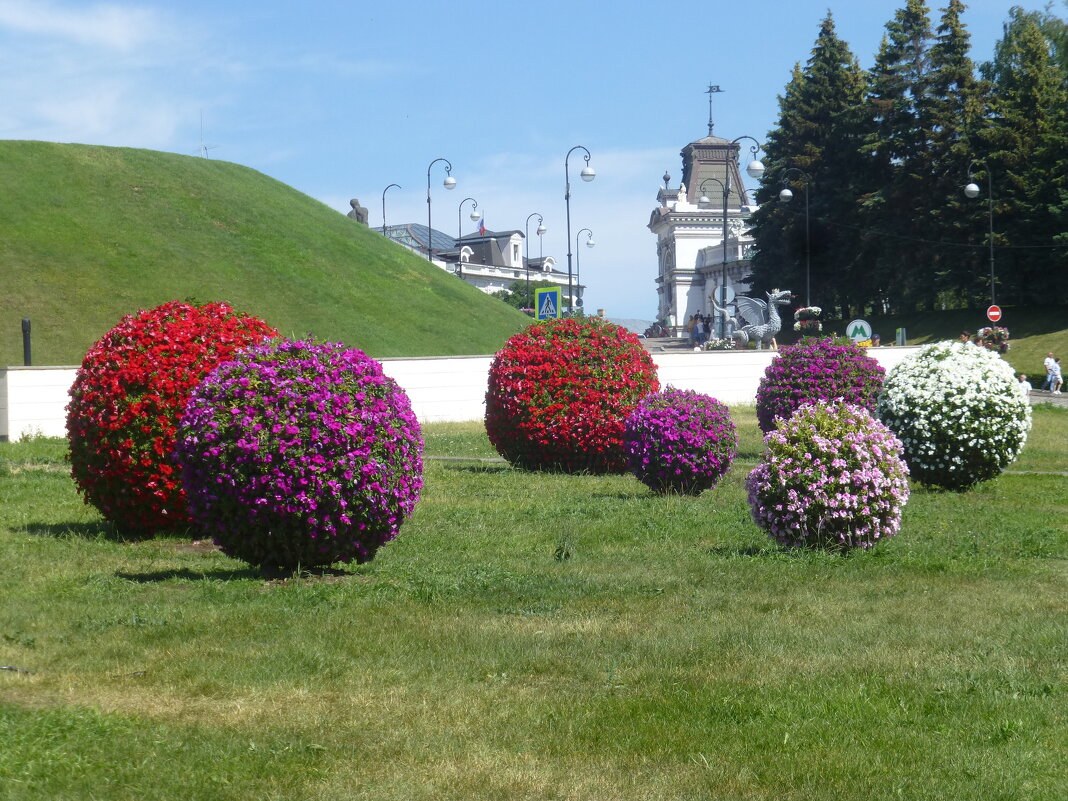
300, 454
680, 441
817, 370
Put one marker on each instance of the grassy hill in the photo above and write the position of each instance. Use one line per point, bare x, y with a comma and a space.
88, 234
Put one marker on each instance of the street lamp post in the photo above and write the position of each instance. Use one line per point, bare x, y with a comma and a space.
450, 183
578, 270
726, 187
972, 191
475, 217
526, 243
384, 206
786, 196
754, 169
587, 174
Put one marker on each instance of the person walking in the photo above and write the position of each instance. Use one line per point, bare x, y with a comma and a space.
1025, 383
698, 331
1057, 380
1048, 362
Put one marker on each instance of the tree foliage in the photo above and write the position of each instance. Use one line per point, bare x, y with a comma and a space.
516, 294
881, 158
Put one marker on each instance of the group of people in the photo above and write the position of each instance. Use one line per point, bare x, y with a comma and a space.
1054, 380
700, 328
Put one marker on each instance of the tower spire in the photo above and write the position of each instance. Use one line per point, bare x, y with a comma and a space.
712, 89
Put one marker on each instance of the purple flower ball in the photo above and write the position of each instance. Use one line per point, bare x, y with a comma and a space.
680, 441
816, 370
300, 453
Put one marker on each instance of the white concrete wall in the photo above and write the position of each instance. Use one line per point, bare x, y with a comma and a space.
443, 389
33, 399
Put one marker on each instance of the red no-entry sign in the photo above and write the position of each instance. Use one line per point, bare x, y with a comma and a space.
993, 314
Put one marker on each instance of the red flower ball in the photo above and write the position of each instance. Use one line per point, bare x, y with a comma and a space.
560, 392
127, 400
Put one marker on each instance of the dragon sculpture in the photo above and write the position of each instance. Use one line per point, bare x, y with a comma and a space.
763, 318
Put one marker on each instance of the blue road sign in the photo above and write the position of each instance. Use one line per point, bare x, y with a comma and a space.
547, 303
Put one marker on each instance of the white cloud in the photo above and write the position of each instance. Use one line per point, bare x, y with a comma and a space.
112, 74
107, 25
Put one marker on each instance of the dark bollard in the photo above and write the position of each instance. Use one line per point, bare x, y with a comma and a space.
26, 360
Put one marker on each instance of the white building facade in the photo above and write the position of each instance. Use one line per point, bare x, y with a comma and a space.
489, 260
701, 229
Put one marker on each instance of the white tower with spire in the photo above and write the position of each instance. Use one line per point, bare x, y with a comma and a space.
689, 226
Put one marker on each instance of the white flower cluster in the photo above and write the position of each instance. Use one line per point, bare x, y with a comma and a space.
959, 412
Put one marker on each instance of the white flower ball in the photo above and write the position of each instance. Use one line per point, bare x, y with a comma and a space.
959, 411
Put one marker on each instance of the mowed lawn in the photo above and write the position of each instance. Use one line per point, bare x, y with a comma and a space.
536, 636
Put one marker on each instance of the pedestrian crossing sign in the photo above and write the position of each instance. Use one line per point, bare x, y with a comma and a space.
547, 303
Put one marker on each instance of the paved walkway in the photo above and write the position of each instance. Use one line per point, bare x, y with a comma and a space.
1041, 396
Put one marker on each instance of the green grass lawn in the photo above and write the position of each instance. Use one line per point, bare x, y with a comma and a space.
535, 636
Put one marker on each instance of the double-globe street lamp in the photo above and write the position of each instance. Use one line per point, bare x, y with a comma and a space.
972, 191
786, 195
587, 174
578, 270
384, 233
450, 183
754, 169
526, 243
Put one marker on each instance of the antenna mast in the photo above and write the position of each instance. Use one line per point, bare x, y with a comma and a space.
203, 147
712, 89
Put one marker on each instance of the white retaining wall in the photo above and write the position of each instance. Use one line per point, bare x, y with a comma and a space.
446, 388
33, 400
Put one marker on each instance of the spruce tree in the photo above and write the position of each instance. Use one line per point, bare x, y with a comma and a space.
898, 143
814, 151
952, 114
1027, 145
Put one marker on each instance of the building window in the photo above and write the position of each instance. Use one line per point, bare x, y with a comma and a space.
515, 253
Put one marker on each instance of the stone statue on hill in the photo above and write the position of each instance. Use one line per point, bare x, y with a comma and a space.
358, 213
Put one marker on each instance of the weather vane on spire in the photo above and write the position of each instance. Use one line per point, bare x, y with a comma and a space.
711, 91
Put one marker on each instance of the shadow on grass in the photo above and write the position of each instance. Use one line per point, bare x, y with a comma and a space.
185, 574
268, 575
480, 468
92, 531
735, 551
773, 552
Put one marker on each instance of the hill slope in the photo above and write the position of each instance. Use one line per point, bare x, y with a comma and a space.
88, 234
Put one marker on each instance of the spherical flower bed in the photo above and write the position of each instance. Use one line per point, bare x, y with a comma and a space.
680, 441
126, 400
831, 476
300, 453
816, 370
995, 338
807, 319
560, 391
960, 412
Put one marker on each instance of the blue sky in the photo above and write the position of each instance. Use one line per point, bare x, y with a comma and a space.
341, 99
